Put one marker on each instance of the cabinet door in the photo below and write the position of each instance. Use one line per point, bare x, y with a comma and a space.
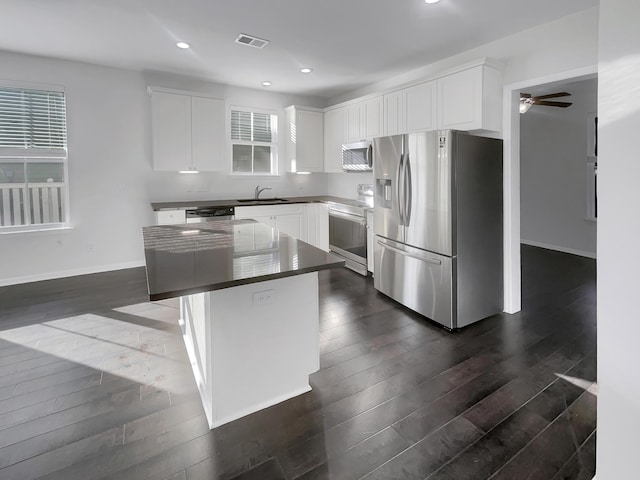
167, 217
291, 224
394, 116
333, 139
171, 131
374, 117
460, 100
208, 133
318, 225
355, 122
420, 107
309, 141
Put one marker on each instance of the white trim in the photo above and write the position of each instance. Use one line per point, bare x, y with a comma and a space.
4, 282
53, 87
558, 248
190, 93
511, 130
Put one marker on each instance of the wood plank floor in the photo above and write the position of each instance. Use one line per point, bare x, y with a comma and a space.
95, 383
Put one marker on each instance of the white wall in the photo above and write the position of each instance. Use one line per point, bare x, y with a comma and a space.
553, 179
110, 177
618, 239
346, 184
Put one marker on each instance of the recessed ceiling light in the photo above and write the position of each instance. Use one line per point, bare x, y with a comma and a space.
306, 70
266, 84
431, 1
182, 45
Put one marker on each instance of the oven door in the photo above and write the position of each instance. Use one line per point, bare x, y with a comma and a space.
348, 238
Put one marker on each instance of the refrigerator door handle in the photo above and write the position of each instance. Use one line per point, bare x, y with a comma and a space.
400, 188
434, 261
407, 190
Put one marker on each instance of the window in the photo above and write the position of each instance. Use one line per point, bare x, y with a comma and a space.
254, 142
33, 159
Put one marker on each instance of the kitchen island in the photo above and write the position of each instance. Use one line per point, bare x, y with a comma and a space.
248, 309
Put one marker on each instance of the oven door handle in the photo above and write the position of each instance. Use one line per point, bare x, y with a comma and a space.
348, 216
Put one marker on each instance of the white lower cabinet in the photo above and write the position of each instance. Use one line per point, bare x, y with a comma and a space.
289, 219
318, 225
168, 217
370, 242
308, 222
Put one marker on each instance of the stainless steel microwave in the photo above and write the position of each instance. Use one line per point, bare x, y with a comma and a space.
357, 157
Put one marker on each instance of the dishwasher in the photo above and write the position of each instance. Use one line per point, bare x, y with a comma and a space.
208, 214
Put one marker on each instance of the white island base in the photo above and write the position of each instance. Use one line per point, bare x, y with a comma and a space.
253, 345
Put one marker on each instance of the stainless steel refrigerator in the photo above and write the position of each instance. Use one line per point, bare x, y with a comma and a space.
438, 224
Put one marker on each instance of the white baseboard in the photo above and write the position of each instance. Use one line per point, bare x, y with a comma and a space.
559, 249
68, 273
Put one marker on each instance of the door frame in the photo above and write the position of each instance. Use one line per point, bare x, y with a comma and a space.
511, 152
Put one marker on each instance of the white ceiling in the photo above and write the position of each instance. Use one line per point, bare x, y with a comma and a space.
348, 43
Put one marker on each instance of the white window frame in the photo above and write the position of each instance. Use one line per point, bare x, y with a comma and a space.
274, 144
26, 156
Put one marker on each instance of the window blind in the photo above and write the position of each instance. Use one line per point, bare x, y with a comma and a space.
33, 121
251, 126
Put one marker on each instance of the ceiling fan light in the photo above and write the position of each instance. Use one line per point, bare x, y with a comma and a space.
525, 105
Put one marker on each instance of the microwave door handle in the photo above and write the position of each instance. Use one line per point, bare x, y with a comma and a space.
400, 189
408, 190
370, 156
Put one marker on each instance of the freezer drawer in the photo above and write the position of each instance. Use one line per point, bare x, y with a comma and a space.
420, 280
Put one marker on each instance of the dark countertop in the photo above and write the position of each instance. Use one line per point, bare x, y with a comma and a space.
191, 258
157, 206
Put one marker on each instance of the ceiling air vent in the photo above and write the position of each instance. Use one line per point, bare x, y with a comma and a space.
256, 42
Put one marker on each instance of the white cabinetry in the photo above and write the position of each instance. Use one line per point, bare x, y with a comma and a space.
305, 140
364, 120
374, 117
395, 122
420, 107
470, 99
289, 219
188, 132
334, 128
167, 217
318, 225
354, 122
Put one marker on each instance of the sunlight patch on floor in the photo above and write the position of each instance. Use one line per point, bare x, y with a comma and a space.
584, 384
139, 345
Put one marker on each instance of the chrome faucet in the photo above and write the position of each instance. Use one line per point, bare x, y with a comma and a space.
260, 190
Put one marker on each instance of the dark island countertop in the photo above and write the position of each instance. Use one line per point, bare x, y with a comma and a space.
185, 259
188, 205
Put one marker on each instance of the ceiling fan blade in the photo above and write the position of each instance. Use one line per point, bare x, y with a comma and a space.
553, 95
553, 104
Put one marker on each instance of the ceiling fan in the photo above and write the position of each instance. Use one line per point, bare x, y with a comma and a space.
527, 101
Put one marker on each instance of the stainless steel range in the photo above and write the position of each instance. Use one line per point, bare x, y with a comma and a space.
348, 229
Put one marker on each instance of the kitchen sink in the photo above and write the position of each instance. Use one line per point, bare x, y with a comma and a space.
262, 200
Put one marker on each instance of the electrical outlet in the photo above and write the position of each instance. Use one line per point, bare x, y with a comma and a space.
265, 297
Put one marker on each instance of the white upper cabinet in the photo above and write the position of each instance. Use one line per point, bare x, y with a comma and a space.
394, 117
470, 99
305, 139
334, 129
188, 132
374, 118
420, 107
364, 120
355, 119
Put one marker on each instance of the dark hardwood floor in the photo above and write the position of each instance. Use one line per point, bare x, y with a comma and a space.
95, 383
